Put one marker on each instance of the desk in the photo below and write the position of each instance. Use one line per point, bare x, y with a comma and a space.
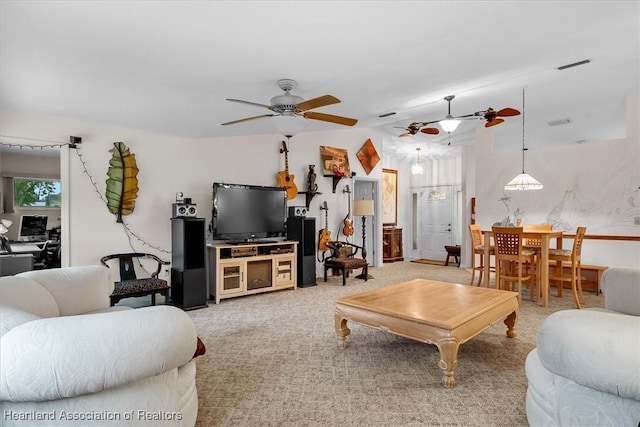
26, 248
545, 236
12, 264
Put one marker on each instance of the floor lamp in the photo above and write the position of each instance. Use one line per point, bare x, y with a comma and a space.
363, 208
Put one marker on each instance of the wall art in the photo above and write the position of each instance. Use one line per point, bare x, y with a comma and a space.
368, 156
389, 197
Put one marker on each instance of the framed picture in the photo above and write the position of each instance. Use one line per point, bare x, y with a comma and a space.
389, 197
368, 156
335, 161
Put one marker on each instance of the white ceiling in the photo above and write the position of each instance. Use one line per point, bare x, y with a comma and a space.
167, 66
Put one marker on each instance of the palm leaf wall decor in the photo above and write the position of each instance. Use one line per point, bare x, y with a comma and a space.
122, 184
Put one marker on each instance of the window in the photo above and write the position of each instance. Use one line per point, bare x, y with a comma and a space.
36, 193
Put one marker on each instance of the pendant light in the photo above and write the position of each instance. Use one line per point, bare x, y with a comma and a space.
523, 181
416, 168
449, 123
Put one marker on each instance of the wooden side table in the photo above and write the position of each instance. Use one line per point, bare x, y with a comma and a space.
452, 251
392, 244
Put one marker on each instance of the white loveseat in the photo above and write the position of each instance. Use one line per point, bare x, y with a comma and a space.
586, 368
67, 358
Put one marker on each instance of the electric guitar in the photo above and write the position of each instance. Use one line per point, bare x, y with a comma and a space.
285, 179
325, 234
347, 229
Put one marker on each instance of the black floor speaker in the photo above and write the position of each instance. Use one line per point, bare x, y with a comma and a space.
303, 231
188, 272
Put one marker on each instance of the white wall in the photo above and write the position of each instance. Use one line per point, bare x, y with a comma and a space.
594, 184
602, 179
170, 164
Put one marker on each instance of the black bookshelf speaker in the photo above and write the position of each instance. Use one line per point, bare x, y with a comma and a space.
187, 243
188, 273
183, 210
303, 231
297, 211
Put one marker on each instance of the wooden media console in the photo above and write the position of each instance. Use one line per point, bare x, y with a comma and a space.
250, 268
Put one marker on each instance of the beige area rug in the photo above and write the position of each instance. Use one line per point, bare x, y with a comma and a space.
273, 360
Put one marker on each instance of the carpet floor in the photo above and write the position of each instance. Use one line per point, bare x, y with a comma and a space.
273, 360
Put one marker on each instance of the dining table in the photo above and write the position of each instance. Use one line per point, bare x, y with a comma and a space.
545, 237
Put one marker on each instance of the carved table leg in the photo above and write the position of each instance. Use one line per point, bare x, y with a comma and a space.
341, 330
448, 360
510, 321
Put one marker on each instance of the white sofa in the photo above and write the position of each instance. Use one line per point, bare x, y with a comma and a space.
67, 358
586, 368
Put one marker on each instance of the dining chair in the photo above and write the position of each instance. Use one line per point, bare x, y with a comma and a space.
511, 259
572, 256
535, 243
477, 248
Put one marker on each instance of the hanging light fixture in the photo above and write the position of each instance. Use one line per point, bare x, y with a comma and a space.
523, 181
449, 123
416, 168
288, 124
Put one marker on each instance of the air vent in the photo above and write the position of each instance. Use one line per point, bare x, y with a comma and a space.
575, 64
559, 122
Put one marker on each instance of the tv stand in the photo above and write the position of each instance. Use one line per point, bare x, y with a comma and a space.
238, 269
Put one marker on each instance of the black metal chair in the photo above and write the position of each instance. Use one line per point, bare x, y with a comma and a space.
343, 258
129, 284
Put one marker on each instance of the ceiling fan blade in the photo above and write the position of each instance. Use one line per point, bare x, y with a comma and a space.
508, 112
493, 122
250, 103
430, 131
330, 118
247, 119
405, 134
320, 101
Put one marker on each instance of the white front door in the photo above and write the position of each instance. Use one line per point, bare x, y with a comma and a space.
436, 219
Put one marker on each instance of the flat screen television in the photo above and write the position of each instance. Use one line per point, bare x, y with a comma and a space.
243, 213
33, 228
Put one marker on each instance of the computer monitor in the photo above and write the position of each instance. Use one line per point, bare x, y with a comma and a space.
33, 228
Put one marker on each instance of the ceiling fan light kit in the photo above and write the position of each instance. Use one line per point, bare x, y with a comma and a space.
449, 123
523, 181
288, 125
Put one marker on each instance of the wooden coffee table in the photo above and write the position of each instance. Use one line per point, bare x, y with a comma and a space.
440, 313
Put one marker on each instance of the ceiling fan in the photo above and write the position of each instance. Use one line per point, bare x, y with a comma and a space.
492, 116
292, 105
416, 127
450, 123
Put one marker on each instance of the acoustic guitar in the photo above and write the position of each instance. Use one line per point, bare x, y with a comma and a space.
347, 229
325, 234
285, 179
